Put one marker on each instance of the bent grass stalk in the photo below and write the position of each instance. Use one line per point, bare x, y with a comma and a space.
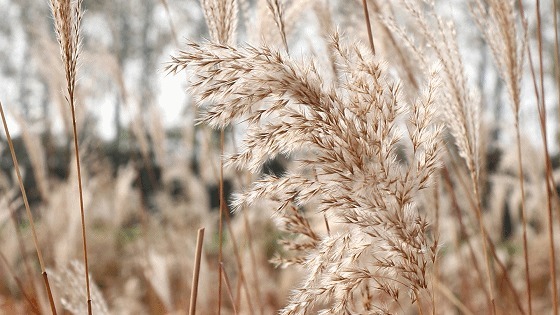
28, 212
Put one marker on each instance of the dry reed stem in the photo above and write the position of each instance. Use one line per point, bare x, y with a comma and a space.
556, 51
472, 203
245, 180
228, 288
435, 272
505, 272
221, 225
144, 215
498, 24
548, 167
462, 228
196, 271
368, 26
485, 240
242, 278
82, 211
28, 211
49, 292
67, 19
256, 281
249, 236
221, 19
523, 216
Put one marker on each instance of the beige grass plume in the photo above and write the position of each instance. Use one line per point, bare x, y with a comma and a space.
67, 20
350, 135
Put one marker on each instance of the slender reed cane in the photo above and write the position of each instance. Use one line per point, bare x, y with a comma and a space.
28, 211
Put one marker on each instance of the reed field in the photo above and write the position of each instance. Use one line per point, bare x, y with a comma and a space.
279, 157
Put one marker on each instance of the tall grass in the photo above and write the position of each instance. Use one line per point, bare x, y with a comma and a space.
67, 19
352, 171
387, 200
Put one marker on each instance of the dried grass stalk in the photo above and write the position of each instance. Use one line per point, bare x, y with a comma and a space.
28, 212
67, 20
498, 24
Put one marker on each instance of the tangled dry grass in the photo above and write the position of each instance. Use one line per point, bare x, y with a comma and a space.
389, 200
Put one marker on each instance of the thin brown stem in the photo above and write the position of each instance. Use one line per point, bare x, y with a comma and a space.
249, 236
368, 25
507, 278
221, 225
242, 278
67, 20
435, 273
556, 51
484, 239
81, 195
228, 288
27, 209
462, 229
474, 205
253, 260
22, 189
49, 292
196, 272
548, 166
523, 213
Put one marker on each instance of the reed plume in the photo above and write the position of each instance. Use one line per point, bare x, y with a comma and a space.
363, 156
497, 21
67, 20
